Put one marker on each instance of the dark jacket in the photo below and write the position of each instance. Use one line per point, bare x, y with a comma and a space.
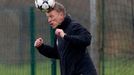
71, 50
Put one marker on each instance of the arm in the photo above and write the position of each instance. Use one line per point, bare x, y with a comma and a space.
80, 36
46, 50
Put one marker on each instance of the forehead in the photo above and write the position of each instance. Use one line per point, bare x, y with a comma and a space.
53, 12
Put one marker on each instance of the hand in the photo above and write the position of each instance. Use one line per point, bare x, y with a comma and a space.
38, 42
60, 33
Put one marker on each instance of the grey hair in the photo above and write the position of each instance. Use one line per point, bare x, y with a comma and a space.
58, 7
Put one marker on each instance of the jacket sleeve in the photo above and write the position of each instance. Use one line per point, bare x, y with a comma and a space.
48, 51
79, 36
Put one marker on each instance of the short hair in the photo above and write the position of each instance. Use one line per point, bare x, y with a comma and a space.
58, 7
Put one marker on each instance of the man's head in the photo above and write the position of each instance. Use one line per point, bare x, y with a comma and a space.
56, 15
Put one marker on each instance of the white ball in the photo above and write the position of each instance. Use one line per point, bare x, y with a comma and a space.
38, 3
44, 4
51, 3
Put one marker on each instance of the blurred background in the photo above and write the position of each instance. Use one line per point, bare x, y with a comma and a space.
111, 23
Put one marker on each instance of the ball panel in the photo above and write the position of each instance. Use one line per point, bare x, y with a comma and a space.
44, 4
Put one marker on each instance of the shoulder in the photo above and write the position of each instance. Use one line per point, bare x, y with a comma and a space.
75, 26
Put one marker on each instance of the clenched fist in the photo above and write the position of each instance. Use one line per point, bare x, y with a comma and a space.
60, 33
38, 42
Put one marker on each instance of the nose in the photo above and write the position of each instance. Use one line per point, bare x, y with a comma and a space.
49, 20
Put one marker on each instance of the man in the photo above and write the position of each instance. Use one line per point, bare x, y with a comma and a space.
70, 45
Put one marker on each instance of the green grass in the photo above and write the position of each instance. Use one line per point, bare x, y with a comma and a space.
25, 69
119, 67
112, 67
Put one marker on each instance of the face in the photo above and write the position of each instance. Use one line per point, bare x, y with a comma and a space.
55, 18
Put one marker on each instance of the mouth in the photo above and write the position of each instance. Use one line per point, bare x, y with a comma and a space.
51, 24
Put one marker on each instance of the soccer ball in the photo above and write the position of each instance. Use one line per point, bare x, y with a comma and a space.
44, 4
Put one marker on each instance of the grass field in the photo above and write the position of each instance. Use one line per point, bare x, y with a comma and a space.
118, 67
25, 69
44, 68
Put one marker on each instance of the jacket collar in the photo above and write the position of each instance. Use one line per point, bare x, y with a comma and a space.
65, 23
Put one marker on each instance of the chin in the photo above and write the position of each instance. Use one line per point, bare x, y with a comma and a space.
54, 27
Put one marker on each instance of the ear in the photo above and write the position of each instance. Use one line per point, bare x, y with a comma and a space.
61, 14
